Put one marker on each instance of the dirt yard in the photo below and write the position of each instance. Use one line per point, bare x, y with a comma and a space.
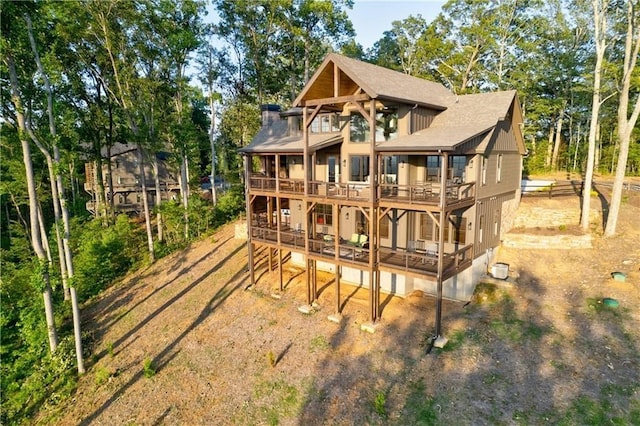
184, 343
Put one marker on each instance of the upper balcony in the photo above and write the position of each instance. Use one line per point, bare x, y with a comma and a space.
390, 195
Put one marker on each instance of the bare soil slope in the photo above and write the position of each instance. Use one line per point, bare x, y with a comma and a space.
545, 350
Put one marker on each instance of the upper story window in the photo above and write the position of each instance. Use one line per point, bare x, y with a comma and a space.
499, 170
326, 123
386, 126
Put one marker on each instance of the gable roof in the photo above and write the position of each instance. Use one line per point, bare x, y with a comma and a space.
377, 82
467, 117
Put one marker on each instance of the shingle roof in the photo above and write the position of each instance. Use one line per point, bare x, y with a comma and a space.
274, 139
467, 117
382, 83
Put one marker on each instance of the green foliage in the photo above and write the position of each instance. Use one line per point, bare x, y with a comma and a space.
105, 253
379, 404
46, 381
148, 368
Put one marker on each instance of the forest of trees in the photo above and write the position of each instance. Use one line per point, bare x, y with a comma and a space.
189, 76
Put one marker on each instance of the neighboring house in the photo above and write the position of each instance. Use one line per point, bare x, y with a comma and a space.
370, 166
127, 190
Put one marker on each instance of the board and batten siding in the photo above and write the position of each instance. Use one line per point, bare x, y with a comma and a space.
421, 118
489, 219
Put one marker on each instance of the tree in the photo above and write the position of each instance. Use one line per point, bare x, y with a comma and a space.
59, 200
626, 122
600, 28
41, 273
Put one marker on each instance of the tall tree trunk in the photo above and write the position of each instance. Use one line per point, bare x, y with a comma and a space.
625, 125
156, 177
600, 24
556, 145
36, 240
43, 236
59, 203
212, 140
547, 159
145, 203
56, 213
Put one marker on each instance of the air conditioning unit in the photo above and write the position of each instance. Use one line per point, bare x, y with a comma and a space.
500, 271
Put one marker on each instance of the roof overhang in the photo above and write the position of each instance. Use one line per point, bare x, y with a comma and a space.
293, 145
434, 139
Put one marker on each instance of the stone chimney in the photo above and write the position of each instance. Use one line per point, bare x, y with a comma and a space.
270, 114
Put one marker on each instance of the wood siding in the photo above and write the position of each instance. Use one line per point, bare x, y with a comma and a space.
421, 118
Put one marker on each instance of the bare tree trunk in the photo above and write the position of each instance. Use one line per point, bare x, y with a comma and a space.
156, 177
600, 24
36, 240
212, 140
556, 145
625, 125
60, 205
43, 235
547, 159
145, 203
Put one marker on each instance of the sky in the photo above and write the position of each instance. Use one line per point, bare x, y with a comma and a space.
371, 18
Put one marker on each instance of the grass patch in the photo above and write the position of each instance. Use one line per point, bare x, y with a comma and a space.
419, 409
456, 340
319, 343
274, 400
379, 404
102, 375
486, 293
148, 368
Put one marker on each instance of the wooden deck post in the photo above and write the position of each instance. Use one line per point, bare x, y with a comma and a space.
443, 202
247, 181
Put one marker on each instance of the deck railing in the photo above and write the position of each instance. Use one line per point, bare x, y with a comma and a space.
418, 193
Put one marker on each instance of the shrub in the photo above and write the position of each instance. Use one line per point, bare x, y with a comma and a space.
105, 253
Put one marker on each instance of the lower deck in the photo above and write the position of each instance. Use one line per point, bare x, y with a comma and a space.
413, 261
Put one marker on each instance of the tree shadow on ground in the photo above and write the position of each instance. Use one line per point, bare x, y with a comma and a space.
507, 361
171, 350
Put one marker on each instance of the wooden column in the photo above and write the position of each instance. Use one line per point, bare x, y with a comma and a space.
373, 240
278, 236
305, 204
443, 204
336, 246
247, 180
270, 223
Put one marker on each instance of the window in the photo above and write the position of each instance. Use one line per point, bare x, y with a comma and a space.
459, 228
359, 170
428, 229
457, 164
390, 169
326, 123
324, 214
433, 167
454, 228
499, 171
362, 224
386, 126
484, 170
480, 228
384, 227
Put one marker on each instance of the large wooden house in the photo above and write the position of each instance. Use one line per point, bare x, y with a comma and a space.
125, 184
389, 181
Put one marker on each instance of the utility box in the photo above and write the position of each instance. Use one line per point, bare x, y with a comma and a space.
500, 271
